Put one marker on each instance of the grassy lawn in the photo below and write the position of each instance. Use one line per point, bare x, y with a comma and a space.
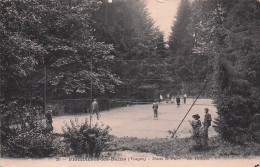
178, 148
183, 148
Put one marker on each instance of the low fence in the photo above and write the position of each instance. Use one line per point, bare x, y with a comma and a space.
78, 106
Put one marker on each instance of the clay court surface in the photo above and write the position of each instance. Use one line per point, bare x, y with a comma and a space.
137, 120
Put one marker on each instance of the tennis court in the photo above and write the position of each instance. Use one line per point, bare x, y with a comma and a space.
137, 120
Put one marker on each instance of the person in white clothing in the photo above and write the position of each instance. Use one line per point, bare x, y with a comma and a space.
161, 98
184, 98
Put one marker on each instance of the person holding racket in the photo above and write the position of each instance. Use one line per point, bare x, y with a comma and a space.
155, 109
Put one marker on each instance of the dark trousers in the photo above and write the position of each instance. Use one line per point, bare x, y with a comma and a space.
155, 113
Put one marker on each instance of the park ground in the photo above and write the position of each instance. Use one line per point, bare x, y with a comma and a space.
140, 140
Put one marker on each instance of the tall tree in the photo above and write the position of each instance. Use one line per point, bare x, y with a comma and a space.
138, 44
228, 32
180, 45
56, 35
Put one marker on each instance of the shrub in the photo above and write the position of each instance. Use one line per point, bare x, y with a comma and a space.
28, 143
86, 139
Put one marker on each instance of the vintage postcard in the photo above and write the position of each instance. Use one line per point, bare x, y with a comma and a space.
130, 83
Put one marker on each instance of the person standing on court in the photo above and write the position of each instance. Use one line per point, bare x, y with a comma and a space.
184, 98
95, 108
161, 98
178, 101
155, 109
206, 124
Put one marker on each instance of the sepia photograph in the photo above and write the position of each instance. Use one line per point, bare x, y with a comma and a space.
92, 83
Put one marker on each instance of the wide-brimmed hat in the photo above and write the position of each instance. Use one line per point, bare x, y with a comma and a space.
196, 116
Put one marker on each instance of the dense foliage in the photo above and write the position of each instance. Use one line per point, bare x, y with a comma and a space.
30, 139
52, 38
55, 35
218, 40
